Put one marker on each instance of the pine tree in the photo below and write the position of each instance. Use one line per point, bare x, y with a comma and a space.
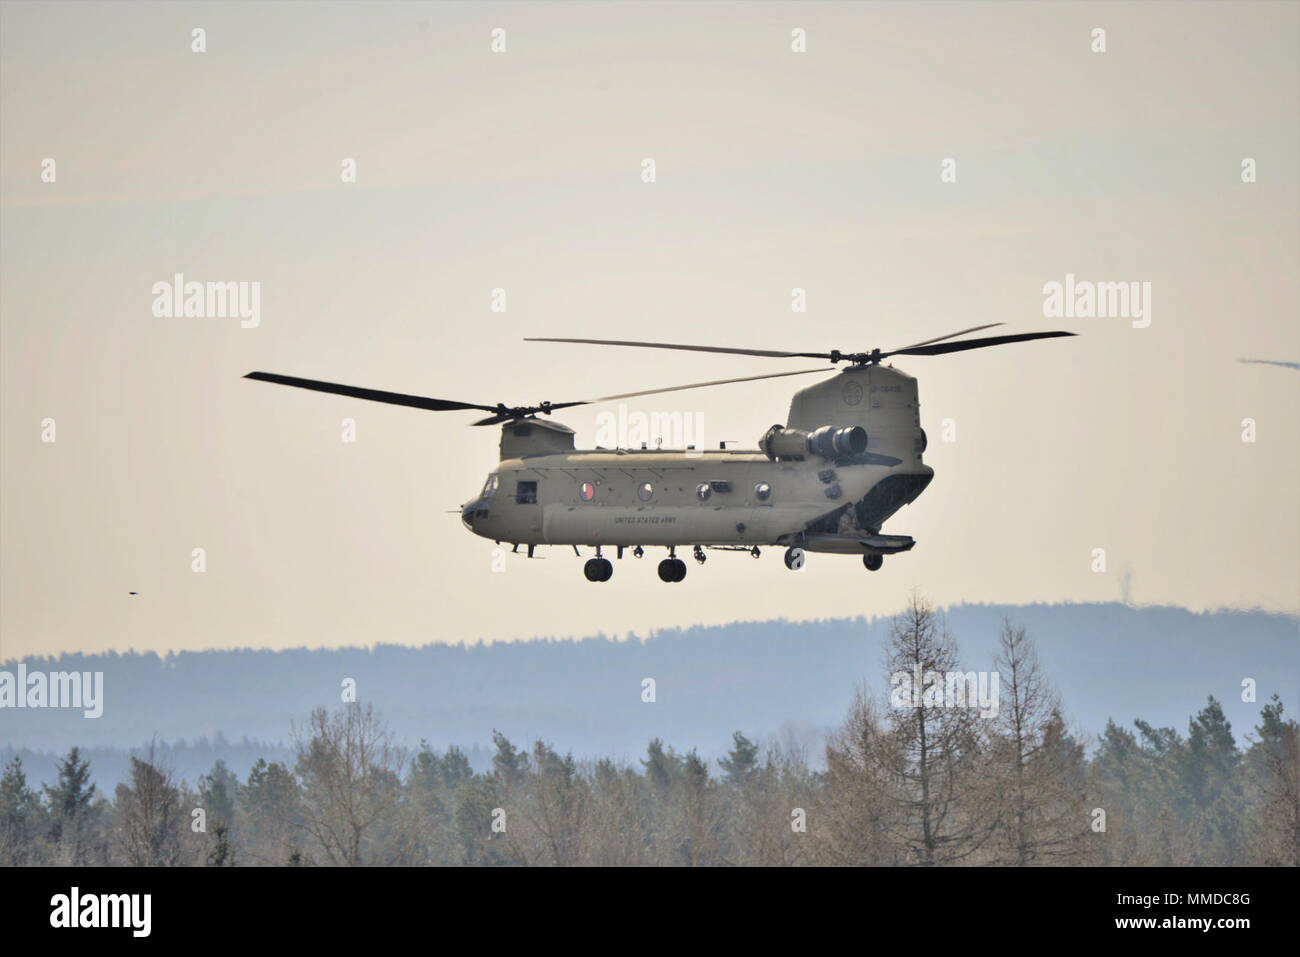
742, 760
1274, 764
509, 764
1211, 778
661, 766
20, 817
1212, 759
268, 809
220, 853
218, 790
72, 810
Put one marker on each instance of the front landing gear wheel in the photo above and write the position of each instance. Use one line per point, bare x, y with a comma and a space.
672, 570
794, 559
598, 569
873, 562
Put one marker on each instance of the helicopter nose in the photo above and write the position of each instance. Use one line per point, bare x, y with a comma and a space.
476, 509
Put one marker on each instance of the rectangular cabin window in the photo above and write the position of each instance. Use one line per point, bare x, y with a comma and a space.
526, 493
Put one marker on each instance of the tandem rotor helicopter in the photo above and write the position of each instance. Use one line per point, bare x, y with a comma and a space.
847, 458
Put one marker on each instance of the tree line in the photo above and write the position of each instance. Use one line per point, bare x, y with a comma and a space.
916, 780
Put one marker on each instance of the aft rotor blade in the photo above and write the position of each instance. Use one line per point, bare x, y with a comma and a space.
953, 334
769, 353
374, 395
946, 347
1272, 362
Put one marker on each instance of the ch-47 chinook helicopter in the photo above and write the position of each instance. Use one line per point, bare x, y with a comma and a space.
848, 457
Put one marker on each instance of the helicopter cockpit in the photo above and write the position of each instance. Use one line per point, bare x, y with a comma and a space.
479, 507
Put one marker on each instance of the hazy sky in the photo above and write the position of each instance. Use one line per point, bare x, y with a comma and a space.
522, 170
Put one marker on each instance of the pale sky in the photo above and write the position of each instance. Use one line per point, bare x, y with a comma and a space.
522, 170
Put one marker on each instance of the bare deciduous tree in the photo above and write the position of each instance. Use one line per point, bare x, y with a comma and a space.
349, 767
150, 815
934, 767
1040, 766
849, 823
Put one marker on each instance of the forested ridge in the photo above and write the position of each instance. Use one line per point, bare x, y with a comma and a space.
920, 781
787, 680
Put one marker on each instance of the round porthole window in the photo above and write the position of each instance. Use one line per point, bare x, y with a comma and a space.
587, 491
644, 491
762, 491
702, 491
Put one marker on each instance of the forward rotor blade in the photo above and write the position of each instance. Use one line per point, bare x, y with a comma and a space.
702, 385
494, 419
946, 347
685, 348
374, 395
523, 413
953, 334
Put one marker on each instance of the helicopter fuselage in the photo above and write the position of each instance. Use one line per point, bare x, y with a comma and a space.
545, 492
723, 497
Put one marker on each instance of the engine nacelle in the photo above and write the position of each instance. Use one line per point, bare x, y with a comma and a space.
828, 442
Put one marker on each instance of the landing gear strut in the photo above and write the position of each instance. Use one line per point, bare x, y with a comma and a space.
873, 562
699, 555
794, 558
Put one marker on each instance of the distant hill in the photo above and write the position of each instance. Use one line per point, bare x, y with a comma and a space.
787, 681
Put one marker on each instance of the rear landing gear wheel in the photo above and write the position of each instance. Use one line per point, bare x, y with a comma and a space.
794, 559
873, 562
598, 569
672, 570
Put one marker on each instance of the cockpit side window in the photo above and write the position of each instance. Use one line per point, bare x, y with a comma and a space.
490, 486
526, 493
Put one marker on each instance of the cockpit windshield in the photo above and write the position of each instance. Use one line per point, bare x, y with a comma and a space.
490, 486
